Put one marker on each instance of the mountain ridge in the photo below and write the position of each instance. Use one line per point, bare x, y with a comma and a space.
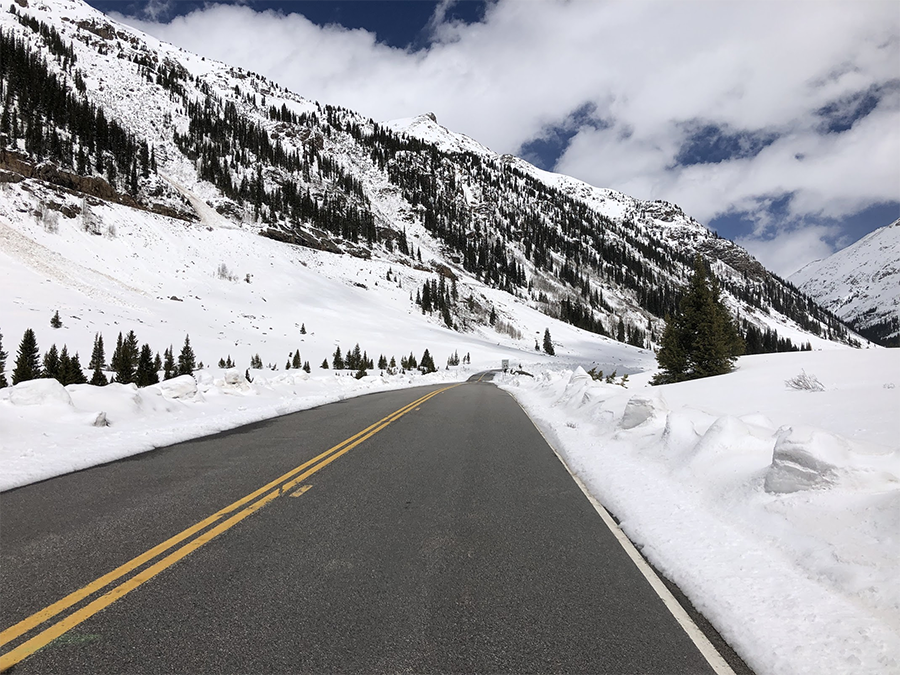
861, 284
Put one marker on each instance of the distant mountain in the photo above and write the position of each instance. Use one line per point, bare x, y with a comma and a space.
861, 284
104, 112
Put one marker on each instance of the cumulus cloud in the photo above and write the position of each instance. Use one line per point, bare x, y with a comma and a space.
806, 95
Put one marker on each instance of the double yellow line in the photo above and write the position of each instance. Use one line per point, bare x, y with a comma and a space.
236, 512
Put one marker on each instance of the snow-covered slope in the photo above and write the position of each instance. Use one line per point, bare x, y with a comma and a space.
235, 150
861, 283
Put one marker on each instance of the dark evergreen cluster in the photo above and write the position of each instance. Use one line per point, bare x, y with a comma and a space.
701, 339
436, 296
237, 153
354, 360
129, 363
885, 332
57, 122
759, 341
295, 361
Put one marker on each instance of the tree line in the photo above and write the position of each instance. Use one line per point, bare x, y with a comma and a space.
128, 364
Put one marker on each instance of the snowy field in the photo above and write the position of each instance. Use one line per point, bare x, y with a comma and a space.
776, 510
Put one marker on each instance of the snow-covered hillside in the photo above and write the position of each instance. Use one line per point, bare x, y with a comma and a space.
236, 151
861, 283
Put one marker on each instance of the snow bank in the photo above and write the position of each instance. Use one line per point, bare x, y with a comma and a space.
777, 511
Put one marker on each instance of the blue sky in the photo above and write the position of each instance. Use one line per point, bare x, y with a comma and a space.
397, 23
777, 126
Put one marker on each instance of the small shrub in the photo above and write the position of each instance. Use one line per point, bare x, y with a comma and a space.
804, 382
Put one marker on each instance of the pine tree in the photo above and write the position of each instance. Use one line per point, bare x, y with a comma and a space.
3, 382
426, 365
324, 365
55, 321
98, 355
125, 357
50, 367
28, 363
76, 373
337, 360
548, 343
146, 372
64, 374
307, 368
296, 362
302, 329
186, 360
701, 339
168, 364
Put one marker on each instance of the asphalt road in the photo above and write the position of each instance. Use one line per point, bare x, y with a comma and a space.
450, 540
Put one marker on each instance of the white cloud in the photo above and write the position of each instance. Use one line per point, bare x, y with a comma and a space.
647, 67
792, 249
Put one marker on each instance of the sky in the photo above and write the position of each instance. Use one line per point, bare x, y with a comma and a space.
777, 124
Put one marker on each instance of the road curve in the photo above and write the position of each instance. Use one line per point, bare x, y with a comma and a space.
446, 538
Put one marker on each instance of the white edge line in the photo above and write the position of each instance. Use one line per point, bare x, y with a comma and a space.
709, 652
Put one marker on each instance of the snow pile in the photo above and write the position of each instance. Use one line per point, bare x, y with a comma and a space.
48, 429
776, 510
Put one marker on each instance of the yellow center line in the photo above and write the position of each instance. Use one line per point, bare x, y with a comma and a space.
320, 461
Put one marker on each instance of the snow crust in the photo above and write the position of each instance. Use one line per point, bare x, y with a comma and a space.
777, 511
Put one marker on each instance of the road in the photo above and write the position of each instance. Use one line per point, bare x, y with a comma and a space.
447, 537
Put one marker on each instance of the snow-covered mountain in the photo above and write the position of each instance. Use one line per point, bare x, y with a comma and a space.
136, 178
861, 284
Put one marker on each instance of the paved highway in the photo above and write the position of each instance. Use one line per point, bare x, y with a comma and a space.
428, 530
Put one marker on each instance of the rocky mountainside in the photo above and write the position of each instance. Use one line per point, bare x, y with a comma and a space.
100, 112
861, 284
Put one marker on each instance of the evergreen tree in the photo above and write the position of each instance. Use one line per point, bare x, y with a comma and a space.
302, 329
337, 360
146, 372
55, 321
296, 362
65, 364
51, 363
324, 365
701, 339
548, 343
124, 358
98, 355
28, 362
186, 361
426, 365
168, 364
98, 378
382, 362
75, 373
3, 382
